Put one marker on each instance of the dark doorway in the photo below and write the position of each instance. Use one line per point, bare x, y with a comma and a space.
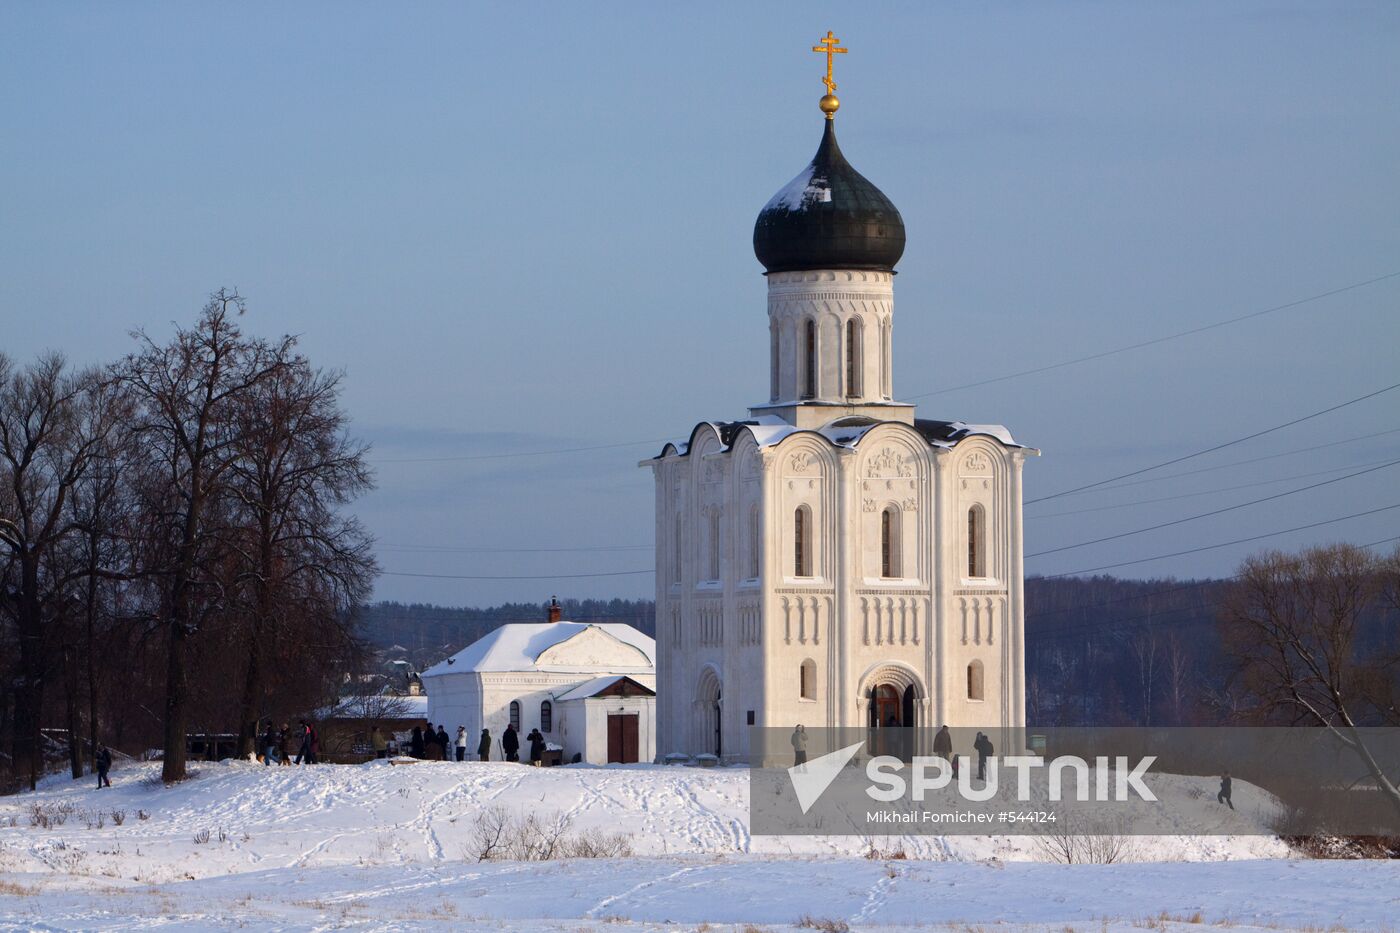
622, 738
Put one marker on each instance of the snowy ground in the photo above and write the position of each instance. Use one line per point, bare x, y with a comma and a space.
377, 846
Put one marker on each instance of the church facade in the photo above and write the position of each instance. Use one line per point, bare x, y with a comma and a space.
832, 559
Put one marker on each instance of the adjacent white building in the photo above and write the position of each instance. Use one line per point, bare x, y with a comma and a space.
834, 560
589, 688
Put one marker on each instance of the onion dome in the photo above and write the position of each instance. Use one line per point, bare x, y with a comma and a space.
829, 217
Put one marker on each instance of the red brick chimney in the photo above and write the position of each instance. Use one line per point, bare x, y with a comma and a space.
553, 609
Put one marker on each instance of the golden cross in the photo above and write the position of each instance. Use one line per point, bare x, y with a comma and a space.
829, 47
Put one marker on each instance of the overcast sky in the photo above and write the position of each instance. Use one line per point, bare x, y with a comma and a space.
525, 231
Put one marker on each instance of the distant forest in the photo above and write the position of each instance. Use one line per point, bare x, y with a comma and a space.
1099, 651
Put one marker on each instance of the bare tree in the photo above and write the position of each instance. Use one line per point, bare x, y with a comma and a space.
49, 437
294, 468
187, 392
1295, 625
1143, 645
1179, 676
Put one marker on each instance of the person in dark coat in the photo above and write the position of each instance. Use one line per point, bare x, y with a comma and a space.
270, 744
483, 748
943, 747
284, 745
104, 765
415, 743
442, 741
304, 752
984, 748
510, 743
1224, 795
536, 738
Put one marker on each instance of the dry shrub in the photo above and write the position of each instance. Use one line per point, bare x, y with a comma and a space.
824, 924
1073, 843
498, 834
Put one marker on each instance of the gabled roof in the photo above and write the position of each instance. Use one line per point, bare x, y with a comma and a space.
611, 685
520, 646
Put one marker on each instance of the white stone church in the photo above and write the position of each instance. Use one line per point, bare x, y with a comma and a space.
834, 560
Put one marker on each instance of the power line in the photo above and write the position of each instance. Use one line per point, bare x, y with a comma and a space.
1208, 450
1156, 340
1212, 547
1079, 626
1234, 463
449, 549
529, 453
1016, 375
1220, 511
497, 576
1203, 492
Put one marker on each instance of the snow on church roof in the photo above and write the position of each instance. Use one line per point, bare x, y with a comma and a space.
768, 430
520, 646
598, 684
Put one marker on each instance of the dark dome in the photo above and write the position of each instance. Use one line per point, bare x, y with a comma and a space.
829, 217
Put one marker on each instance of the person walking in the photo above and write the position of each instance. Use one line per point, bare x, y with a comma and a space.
104, 765
415, 742
799, 746
461, 743
284, 746
442, 744
1224, 795
304, 749
510, 743
536, 738
315, 744
943, 747
483, 747
377, 742
984, 748
270, 744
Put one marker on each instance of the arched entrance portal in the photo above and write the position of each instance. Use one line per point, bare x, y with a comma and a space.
709, 737
893, 700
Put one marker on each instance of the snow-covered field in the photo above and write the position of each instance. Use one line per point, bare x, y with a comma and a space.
381, 847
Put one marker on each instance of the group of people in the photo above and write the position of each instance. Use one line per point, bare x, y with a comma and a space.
431, 744
277, 744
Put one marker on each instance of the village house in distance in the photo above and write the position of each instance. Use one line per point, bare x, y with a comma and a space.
834, 560
590, 688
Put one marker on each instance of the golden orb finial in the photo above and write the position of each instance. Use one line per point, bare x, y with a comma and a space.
829, 46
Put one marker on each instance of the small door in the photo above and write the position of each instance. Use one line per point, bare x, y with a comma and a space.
622, 738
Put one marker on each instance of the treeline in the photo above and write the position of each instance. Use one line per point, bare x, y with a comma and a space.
173, 555
1103, 651
429, 633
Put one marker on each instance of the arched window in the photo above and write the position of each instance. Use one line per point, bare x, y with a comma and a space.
755, 543
773, 367
546, 717
889, 543
976, 542
807, 680
676, 564
714, 546
515, 714
854, 358
974, 680
809, 355
802, 542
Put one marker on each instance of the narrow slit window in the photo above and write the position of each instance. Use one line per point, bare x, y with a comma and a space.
755, 543
546, 717
976, 542
807, 680
809, 384
802, 542
889, 544
974, 681
714, 546
853, 358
